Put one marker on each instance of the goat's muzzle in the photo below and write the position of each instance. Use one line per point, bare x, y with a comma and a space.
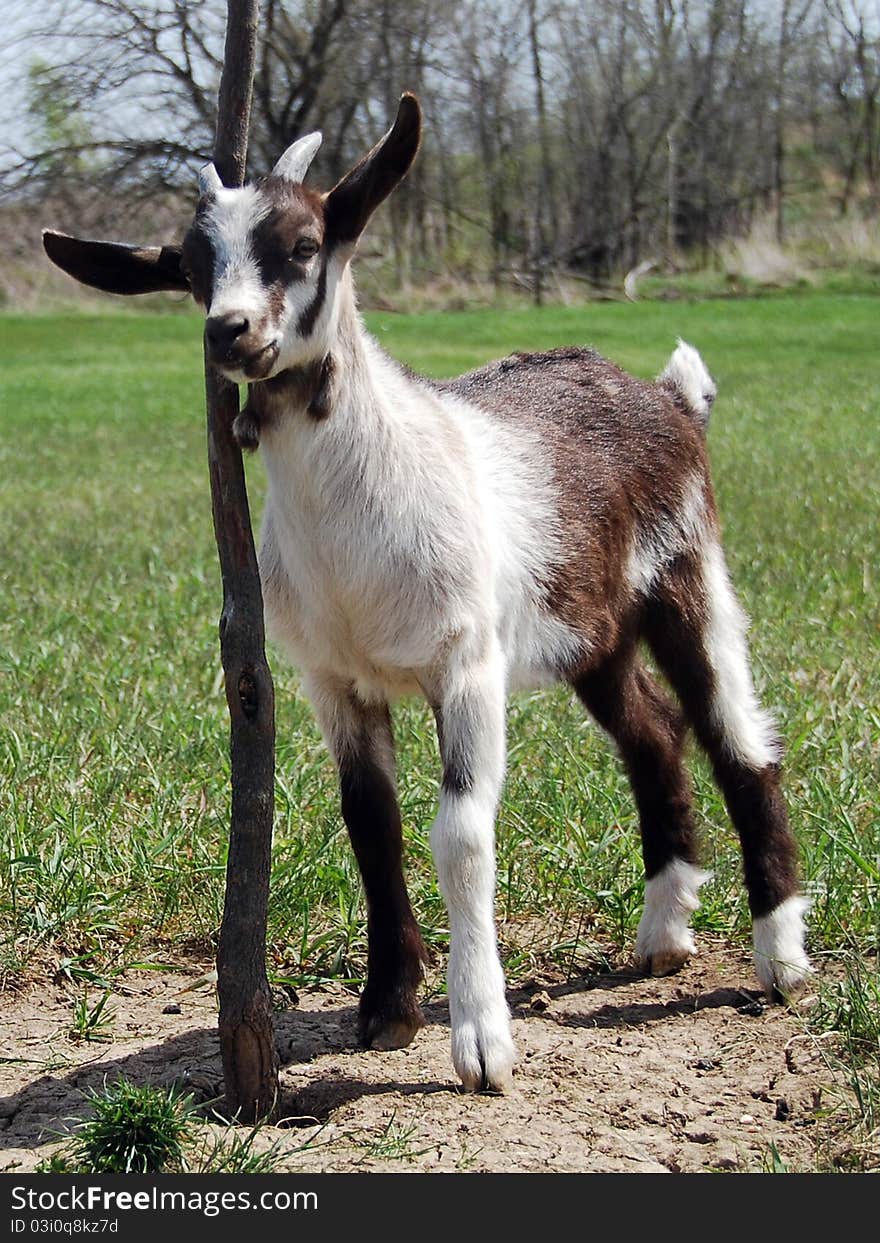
237, 351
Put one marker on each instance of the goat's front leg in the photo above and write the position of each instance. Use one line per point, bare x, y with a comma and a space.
360, 738
470, 718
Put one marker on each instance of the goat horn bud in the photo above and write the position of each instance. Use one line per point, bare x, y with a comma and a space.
294, 164
209, 180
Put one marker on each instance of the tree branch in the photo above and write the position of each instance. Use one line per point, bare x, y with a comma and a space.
247, 1045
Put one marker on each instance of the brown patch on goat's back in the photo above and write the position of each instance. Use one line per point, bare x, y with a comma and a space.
622, 454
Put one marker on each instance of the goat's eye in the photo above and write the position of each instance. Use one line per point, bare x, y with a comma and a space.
305, 248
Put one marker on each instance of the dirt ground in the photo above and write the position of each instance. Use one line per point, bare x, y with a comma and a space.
616, 1072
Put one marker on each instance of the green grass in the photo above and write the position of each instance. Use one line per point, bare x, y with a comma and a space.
92, 1021
131, 1130
848, 1012
142, 1129
113, 732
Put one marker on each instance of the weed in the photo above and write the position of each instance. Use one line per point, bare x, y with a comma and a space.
850, 1007
132, 1130
92, 1022
232, 1150
393, 1143
773, 1163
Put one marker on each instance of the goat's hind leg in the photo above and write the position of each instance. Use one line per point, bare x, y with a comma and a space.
649, 731
697, 630
470, 717
361, 741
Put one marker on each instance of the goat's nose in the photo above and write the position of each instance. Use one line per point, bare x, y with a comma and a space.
222, 331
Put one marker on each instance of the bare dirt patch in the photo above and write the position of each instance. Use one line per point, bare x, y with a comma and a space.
616, 1072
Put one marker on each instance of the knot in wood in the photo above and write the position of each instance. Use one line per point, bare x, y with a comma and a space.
248, 694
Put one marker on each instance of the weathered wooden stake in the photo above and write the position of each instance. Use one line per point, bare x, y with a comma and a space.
247, 1045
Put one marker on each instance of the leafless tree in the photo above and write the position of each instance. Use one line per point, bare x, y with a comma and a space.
852, 35
560, 135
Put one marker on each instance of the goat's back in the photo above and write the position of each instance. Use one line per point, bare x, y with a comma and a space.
628, 461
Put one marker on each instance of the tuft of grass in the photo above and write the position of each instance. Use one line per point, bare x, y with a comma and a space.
92, 1022
393, 1143
137, 1129
233, 1151
132, 1130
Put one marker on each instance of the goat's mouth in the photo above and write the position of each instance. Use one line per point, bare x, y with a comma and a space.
243, 368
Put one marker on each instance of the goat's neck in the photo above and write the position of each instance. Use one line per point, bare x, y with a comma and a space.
358, 395
339, 416
341, 380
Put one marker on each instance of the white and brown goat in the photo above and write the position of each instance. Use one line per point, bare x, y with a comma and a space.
534, 520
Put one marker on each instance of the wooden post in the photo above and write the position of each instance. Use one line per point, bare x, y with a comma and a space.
247, 1044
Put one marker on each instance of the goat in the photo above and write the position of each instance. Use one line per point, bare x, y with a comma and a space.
535, 520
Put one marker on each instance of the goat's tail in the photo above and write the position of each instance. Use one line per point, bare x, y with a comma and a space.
686, 376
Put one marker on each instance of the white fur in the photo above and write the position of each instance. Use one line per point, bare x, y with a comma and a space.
293, 348
461, 531
748, 731
655, 547
781, 961
687, 372
664, 940
472, 704
229, 221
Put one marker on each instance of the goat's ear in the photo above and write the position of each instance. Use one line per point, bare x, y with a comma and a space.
116, 268
349, 205
294, 164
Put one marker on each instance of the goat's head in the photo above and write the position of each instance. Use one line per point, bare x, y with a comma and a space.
265, 260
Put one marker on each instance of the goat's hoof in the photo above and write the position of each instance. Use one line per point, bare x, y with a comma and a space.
783, 982
393, 1034
663, 962
781, 962
390, 1026
483, 1056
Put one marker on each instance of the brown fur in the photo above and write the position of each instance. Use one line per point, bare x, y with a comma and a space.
622, 451
389, 1014
307, 320
353, 200
649, 731
673, 625
308, 387
197, 259
297, 213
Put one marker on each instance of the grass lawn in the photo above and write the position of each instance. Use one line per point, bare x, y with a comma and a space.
113, 765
